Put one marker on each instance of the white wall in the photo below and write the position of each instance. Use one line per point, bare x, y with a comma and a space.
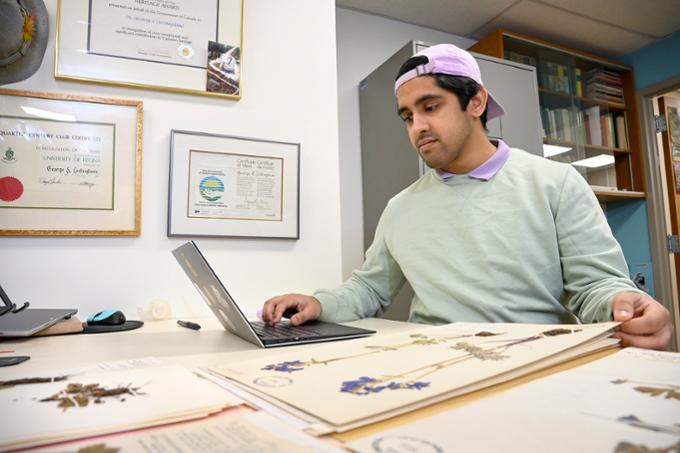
364, 41
289, 78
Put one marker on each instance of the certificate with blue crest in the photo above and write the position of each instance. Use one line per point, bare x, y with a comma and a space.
233, 186
225, 185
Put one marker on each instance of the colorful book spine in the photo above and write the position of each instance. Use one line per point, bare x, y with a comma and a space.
578, 82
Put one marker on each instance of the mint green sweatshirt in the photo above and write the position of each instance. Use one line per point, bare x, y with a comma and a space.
529, 245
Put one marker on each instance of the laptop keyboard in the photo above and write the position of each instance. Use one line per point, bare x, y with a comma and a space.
282, 330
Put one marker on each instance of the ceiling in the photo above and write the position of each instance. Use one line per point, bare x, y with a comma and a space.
610, 28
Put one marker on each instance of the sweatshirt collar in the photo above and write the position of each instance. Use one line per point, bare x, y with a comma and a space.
488, 169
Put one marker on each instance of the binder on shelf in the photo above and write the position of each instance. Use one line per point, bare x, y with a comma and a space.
592, 115
621, 132
554, 77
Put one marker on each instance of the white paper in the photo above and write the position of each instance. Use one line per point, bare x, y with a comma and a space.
238, 430
157, 394
258, 403
593, 408
162, 31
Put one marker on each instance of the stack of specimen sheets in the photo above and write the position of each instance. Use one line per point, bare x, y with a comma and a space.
626, 402
349, 384
233, 430
57, 406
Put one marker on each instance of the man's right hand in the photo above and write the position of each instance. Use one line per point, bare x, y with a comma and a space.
308, 308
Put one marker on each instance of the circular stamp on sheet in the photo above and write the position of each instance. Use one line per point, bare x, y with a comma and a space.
10, 188
404, 444
185, 51
211, 188
272, 381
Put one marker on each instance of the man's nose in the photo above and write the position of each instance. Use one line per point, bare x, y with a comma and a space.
420, 124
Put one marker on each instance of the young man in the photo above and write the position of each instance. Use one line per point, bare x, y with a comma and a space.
490, 233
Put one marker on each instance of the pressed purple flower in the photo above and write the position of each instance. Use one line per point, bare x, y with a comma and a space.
366, 385
286, 367
407, 385
628, 418
418, 385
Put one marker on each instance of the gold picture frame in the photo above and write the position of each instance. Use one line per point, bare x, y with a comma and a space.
69, 165
160, 46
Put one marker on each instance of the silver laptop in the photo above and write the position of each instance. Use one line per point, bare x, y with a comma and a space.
230, 315
24, 322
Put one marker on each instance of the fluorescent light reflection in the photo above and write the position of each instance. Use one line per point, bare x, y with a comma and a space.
554, 150
48, 115
602, 160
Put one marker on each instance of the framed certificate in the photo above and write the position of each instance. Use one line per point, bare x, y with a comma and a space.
69, 165
182, 46
224, 185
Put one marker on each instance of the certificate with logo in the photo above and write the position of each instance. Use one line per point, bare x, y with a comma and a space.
233, 186
183, 46
163, 31
69, 165
56, 164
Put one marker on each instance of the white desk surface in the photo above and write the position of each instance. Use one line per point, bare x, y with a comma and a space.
211, 345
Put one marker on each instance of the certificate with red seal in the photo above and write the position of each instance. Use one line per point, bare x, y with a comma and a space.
57, 163
10, 188
69, 165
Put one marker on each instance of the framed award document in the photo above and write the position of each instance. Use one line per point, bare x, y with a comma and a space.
233, 186
183, 46
69, 165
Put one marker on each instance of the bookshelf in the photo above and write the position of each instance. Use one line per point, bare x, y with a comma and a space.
588, 111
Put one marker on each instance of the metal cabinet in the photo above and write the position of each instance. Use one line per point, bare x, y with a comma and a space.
389, 162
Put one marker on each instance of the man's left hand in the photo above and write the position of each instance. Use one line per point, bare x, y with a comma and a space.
645, 323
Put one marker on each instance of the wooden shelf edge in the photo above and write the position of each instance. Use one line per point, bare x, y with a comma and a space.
606, 196
577, 53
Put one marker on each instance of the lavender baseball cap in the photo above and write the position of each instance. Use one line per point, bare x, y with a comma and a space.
451, 60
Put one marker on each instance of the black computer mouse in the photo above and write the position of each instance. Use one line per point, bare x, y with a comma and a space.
106, 318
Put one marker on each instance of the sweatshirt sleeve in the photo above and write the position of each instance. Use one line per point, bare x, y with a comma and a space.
593, 266
369, 290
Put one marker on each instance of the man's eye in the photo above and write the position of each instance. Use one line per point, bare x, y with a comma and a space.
407, 118
430, 107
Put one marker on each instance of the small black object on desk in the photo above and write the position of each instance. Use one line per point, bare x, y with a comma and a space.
13, 360
189, 325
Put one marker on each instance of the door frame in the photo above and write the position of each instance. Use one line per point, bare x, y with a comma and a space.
656, 215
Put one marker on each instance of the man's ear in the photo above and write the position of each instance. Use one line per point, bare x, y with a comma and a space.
477, 103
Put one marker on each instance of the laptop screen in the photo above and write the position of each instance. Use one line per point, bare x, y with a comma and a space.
213, 291
232, 318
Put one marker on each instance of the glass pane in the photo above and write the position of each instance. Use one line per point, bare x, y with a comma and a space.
583, 113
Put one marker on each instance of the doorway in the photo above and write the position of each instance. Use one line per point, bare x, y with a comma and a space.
662, 171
